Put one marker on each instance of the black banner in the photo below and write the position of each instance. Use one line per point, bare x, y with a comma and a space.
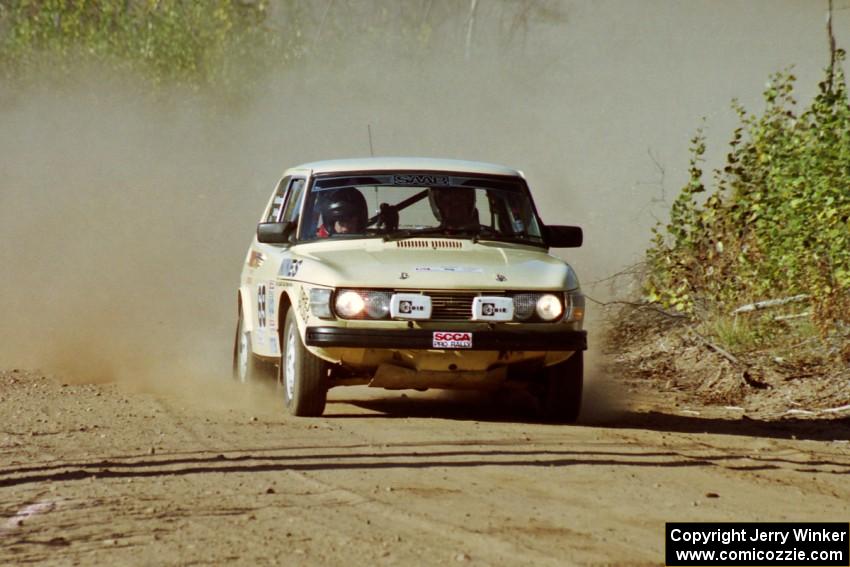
753, 543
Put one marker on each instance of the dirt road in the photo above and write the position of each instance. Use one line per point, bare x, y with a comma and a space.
216, 474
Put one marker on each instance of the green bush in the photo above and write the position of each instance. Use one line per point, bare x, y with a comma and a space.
777, 222
217, 42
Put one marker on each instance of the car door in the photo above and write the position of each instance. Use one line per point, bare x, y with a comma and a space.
264, 291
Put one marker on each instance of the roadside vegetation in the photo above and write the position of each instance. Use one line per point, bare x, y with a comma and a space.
197, 44
764, 249
747, 287
231, 45
776, 221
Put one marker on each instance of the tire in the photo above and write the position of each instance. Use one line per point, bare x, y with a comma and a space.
247, 368
304, 377
560, 401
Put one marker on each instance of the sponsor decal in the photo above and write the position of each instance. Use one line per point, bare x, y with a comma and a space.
266, 306
256, 259
450, 269
261, 306
303, 304
490, 309
420, 180
273, 346
452, 339
271, 320
289, 268
407, 307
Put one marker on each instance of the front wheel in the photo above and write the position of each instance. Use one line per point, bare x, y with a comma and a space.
560, 400
304, 377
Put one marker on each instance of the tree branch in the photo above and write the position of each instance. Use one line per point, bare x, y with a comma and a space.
470, 23
770, 303
832, 48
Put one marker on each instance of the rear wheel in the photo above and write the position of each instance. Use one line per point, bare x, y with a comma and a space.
246, 366
304, 377
560, 400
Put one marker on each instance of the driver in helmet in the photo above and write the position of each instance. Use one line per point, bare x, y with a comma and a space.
344, 211
454, 207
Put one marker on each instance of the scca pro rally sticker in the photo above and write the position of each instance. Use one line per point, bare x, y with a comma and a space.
452, 339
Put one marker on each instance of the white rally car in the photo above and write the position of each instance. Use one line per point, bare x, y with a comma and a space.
409, 273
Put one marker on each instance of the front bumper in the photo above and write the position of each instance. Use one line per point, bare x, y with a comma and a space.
420, 339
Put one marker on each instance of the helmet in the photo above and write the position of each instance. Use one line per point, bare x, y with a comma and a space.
347, 205
454, 207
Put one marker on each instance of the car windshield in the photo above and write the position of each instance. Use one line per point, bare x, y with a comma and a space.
401, 205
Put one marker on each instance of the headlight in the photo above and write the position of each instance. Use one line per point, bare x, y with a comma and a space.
349, 304
549, 307
377, 304
320, 303
362, 304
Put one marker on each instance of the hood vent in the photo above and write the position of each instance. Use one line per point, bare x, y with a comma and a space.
433, 244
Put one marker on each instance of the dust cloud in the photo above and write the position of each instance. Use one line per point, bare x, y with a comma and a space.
117, 220
124, 219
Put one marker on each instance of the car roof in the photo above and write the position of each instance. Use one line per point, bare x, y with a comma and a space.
404, 164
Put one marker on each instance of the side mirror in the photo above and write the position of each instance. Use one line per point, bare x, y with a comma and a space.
564, 236
275, 232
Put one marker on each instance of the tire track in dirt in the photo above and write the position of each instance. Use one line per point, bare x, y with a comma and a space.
248, 461
361, 507
387, 480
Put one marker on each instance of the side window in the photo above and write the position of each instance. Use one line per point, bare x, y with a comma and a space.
293, 200
277, 201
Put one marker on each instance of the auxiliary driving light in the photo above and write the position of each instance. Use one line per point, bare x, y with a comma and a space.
524, 304
410, 306
377, 304
492, 308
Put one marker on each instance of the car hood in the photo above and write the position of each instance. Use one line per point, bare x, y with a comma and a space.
432, 264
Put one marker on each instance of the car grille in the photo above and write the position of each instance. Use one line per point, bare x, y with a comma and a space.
452, 306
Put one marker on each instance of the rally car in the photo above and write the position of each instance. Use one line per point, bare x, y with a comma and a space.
412, 273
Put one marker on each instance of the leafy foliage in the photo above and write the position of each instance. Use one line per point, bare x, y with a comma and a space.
777, 222
235, 44
194, 43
